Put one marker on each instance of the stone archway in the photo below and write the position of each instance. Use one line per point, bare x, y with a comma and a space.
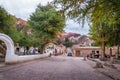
10, 47
11, 57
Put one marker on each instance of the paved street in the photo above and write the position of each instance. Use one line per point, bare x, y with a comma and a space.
52, 68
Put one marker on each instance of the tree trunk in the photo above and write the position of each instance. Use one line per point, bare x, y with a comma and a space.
43, 47
103, 51
118, 48
111, 56
117, 54
110, 51
24, 51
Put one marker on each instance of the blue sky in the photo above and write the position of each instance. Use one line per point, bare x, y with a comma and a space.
24, 8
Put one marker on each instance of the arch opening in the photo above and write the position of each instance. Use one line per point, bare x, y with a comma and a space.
2, 51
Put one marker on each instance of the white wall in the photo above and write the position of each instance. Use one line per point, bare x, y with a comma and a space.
11, 57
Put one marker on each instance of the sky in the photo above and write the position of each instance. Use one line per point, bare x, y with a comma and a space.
24, 8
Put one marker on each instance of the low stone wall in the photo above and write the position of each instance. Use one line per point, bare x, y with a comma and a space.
17, 59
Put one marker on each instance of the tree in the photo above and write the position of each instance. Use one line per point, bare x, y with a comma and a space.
7, 25
67, 43
101, 14
3, 19
101, 35
114, 39
86, 9
46, 23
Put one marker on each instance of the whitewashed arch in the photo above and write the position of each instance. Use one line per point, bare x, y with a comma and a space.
11, 57
10, 47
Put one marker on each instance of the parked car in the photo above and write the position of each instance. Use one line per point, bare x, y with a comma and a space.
69, 54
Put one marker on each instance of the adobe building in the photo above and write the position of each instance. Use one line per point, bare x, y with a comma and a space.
84, 51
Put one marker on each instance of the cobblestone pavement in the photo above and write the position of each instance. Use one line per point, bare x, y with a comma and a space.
53, 68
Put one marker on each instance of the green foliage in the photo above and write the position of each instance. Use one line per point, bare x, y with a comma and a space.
7, 25
102, 14
93, 10
57, 42
94, 44
26, 41
46, 23
3, 17
114, 39
14, 34
67, 43
99, 33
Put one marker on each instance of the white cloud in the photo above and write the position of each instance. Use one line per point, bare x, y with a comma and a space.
21, 8
24, 8
77, 28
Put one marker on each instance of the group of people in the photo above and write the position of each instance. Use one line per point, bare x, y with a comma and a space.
33, 50
27, 50
94, 54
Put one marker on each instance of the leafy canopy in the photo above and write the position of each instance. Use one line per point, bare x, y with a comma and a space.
8, 25
46, 23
